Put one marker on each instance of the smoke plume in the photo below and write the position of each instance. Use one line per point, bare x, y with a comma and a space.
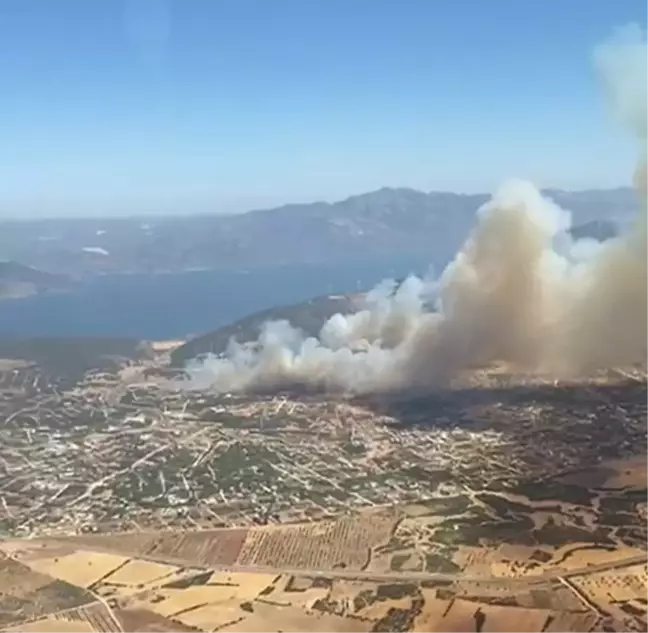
519, 291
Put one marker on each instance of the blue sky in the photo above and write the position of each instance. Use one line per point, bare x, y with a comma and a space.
117, 106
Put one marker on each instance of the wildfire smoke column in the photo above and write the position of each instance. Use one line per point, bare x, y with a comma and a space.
519, 291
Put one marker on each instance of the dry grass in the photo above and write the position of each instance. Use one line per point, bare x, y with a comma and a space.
17, 579
52, 625
26, 594
131, 544
463, 615
460, 616
81, 568
304, 599
501, 619
506, 561
46, 551
347, 590
586, 557
381, 608
575, 622
222, 588
629, 473
248, 585
133, 620
614, 586
288, 619
475, 560
211, 617
515, 561
96, 615
140, 572
176, 600
431, 615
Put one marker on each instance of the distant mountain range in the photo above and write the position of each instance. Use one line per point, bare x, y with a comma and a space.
375, 225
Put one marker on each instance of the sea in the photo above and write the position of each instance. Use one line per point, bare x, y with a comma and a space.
182, 305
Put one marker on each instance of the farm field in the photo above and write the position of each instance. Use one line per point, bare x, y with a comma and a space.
82, 568
55, 625
434, 565
136, 573
345, 543
211, 547
28, 594
52, 587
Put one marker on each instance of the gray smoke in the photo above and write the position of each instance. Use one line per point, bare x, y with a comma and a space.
519, 291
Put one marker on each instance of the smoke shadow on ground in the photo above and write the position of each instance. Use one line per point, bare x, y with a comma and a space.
558, 444
499, 408
545, 430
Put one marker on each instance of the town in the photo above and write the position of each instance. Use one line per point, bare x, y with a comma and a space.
120, 451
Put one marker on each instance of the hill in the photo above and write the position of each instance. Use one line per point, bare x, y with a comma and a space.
67, 360
383, 223
599, 230
309, 316
18, 280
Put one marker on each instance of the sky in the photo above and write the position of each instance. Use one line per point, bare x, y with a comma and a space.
160, 106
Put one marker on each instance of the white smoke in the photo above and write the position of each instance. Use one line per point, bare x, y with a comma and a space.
519, 291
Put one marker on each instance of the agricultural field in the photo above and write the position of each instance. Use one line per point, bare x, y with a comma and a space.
98, 616
28, 595
619, 586
492, 617
127, 543
204, 547
345, 543
209, 547
565, 555
524, 531
52, 625
138, 573
135, 594
82, 568
89, 619
148, 622
268, 617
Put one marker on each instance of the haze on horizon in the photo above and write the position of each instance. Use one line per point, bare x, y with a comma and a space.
157, 106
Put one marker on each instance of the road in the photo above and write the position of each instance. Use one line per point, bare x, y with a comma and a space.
416, 576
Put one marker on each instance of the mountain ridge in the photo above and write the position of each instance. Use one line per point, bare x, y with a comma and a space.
385, 222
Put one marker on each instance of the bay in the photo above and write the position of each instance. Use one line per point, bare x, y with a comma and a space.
179, 305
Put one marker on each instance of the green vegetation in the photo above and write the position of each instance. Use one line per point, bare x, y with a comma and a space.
399, 619
73, 357
396, 591
193, 581
504, 507
436, 563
